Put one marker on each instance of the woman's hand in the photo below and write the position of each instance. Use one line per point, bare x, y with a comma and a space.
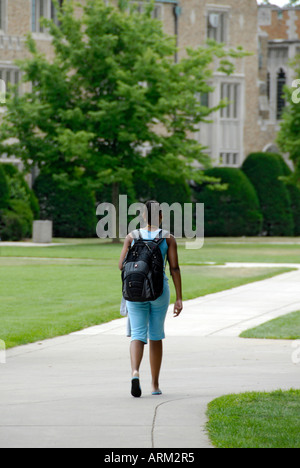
178, 306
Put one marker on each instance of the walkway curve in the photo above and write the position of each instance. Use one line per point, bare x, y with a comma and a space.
73, 391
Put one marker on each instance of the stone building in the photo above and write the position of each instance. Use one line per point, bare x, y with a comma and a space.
17, 18
232, 135
279, 43
251, 120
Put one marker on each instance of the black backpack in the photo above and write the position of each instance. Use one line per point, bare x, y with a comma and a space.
143, 270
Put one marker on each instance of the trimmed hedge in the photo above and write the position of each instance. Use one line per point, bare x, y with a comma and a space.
264, 171
232, 212
72, 209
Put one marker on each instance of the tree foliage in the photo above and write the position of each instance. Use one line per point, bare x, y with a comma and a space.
289, 135
19, 188
112, 87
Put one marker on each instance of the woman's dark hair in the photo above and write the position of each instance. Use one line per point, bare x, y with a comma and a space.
153, 212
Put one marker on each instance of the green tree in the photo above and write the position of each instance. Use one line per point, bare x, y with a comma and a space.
288, 137
112, 87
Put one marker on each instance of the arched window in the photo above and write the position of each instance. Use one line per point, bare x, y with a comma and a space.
281, 82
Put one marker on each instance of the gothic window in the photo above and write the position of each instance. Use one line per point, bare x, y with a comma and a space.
281, 82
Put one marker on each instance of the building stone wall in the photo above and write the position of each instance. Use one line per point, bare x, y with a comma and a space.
241, 30
279, 35
278, 27
284, 23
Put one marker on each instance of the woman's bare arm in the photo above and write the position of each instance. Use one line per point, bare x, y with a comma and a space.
127, 244
176, 274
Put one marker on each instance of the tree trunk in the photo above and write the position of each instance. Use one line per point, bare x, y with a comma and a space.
115, 201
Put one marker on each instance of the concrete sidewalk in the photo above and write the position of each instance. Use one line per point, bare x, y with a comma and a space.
229, 312
74, 391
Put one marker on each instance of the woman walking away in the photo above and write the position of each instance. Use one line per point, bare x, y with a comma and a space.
146, 290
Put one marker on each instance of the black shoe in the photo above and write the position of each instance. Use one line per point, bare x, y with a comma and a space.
136, 390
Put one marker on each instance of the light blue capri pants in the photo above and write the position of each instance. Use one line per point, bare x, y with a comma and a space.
147, 319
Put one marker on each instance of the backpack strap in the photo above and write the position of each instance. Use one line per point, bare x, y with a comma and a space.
136, 234
162, 235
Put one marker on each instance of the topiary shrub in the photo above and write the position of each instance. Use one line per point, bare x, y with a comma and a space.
72, 209
232, 212
264, 171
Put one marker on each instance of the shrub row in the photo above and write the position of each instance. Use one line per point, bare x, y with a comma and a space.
258, 201
71, 208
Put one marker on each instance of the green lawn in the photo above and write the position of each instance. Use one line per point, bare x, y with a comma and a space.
286, 327
215, 250
50, 291
255, 420
45, 298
